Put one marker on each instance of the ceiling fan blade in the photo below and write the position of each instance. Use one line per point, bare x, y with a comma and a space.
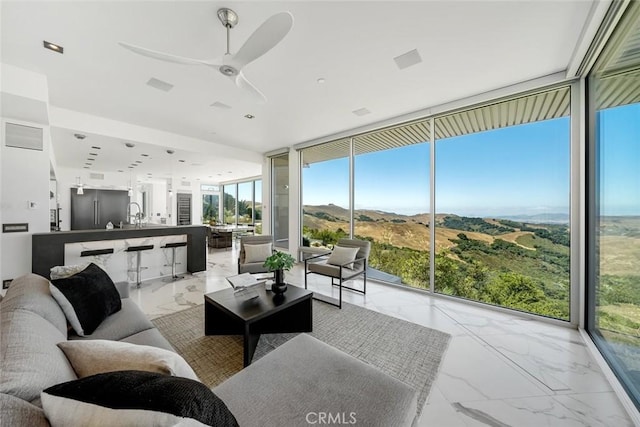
244, 84
269, 34
164, 56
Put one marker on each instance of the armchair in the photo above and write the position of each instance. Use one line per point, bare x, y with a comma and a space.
347, 261
258, 253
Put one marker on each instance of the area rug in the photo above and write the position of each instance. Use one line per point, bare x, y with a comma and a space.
408, 352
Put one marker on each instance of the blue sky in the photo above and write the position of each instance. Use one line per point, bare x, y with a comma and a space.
619, 160
512, 171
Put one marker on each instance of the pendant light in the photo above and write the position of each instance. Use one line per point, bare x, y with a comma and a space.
79, 189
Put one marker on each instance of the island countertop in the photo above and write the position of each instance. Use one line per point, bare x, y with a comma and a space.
48, 248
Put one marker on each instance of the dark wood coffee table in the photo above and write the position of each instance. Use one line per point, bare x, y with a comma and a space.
226, 313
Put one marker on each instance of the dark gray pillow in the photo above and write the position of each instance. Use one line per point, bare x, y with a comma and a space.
87, 298
134, 398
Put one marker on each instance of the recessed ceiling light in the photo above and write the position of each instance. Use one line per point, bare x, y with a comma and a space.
408, 59
170, 151
120, 170
249, 116
229, 172
159, 84
95, 147
144, 155
181, 161
52, 46
87, 167
90, 159
321, 80
129, 144
138, 161
79, 136
219, 174
361, 112
130, 167
93, 154
88, 164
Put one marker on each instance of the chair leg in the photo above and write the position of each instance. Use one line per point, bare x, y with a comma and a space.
339, 293
305, 274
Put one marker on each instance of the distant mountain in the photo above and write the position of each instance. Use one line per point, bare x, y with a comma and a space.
544, 218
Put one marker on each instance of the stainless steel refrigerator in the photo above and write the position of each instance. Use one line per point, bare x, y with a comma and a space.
95, 208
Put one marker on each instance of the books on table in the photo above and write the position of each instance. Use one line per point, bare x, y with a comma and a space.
244, 281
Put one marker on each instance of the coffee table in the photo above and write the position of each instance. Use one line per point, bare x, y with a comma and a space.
226, 313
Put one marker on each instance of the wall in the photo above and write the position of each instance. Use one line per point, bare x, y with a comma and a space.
24, 176
25, 199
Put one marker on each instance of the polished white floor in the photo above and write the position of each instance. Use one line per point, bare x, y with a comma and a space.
499, 369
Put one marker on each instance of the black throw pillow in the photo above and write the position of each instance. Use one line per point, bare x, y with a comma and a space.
134, 398
87, 298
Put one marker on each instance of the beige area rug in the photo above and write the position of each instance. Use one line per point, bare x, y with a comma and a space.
404, 350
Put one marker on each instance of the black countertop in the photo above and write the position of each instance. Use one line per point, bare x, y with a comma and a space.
48, 248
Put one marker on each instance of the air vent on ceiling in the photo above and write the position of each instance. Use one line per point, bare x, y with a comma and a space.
185, 184
361, 112
96, 175
408, 59
19, 136
159, 84
222, 105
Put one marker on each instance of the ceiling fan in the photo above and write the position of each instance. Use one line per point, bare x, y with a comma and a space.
267, 36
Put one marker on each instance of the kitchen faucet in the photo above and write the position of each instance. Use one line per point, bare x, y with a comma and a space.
137, 217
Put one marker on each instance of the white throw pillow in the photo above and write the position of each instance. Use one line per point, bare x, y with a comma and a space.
343, 255
64, 271
257, 253
90, 357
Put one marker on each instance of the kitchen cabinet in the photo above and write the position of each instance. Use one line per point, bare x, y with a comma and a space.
95, 208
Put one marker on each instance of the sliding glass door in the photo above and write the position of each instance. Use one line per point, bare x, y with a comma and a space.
280, 200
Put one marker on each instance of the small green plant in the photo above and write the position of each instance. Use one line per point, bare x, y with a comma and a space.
279, 261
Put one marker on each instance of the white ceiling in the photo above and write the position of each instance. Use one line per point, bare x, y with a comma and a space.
467, 47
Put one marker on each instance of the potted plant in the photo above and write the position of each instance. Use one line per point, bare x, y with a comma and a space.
278, 263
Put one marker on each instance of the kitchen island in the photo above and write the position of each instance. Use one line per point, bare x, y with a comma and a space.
107, 248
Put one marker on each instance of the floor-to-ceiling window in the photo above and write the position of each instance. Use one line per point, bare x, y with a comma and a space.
210, 203
280, 200
245, 202
502, 204
229, 203
613, 309
325, 194
391, 202
257, 210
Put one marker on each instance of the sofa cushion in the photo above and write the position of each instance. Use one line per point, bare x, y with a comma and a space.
342, 255
30, 361
87, 298
257, 253
151, 337
31, 292
18, 412
305, 377
90, 357
128, 321
127, 398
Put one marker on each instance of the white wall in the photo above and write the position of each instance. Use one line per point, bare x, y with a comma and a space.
24, 176
25, 199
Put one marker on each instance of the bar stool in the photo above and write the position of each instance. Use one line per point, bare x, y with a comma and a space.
96, 253
138, 250
173, 247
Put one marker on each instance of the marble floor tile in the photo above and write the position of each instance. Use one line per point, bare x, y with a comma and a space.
559, 364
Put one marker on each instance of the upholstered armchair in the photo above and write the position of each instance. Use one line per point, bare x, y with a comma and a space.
254, 250
347, 260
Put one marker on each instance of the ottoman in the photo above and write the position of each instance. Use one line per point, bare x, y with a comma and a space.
308, 382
